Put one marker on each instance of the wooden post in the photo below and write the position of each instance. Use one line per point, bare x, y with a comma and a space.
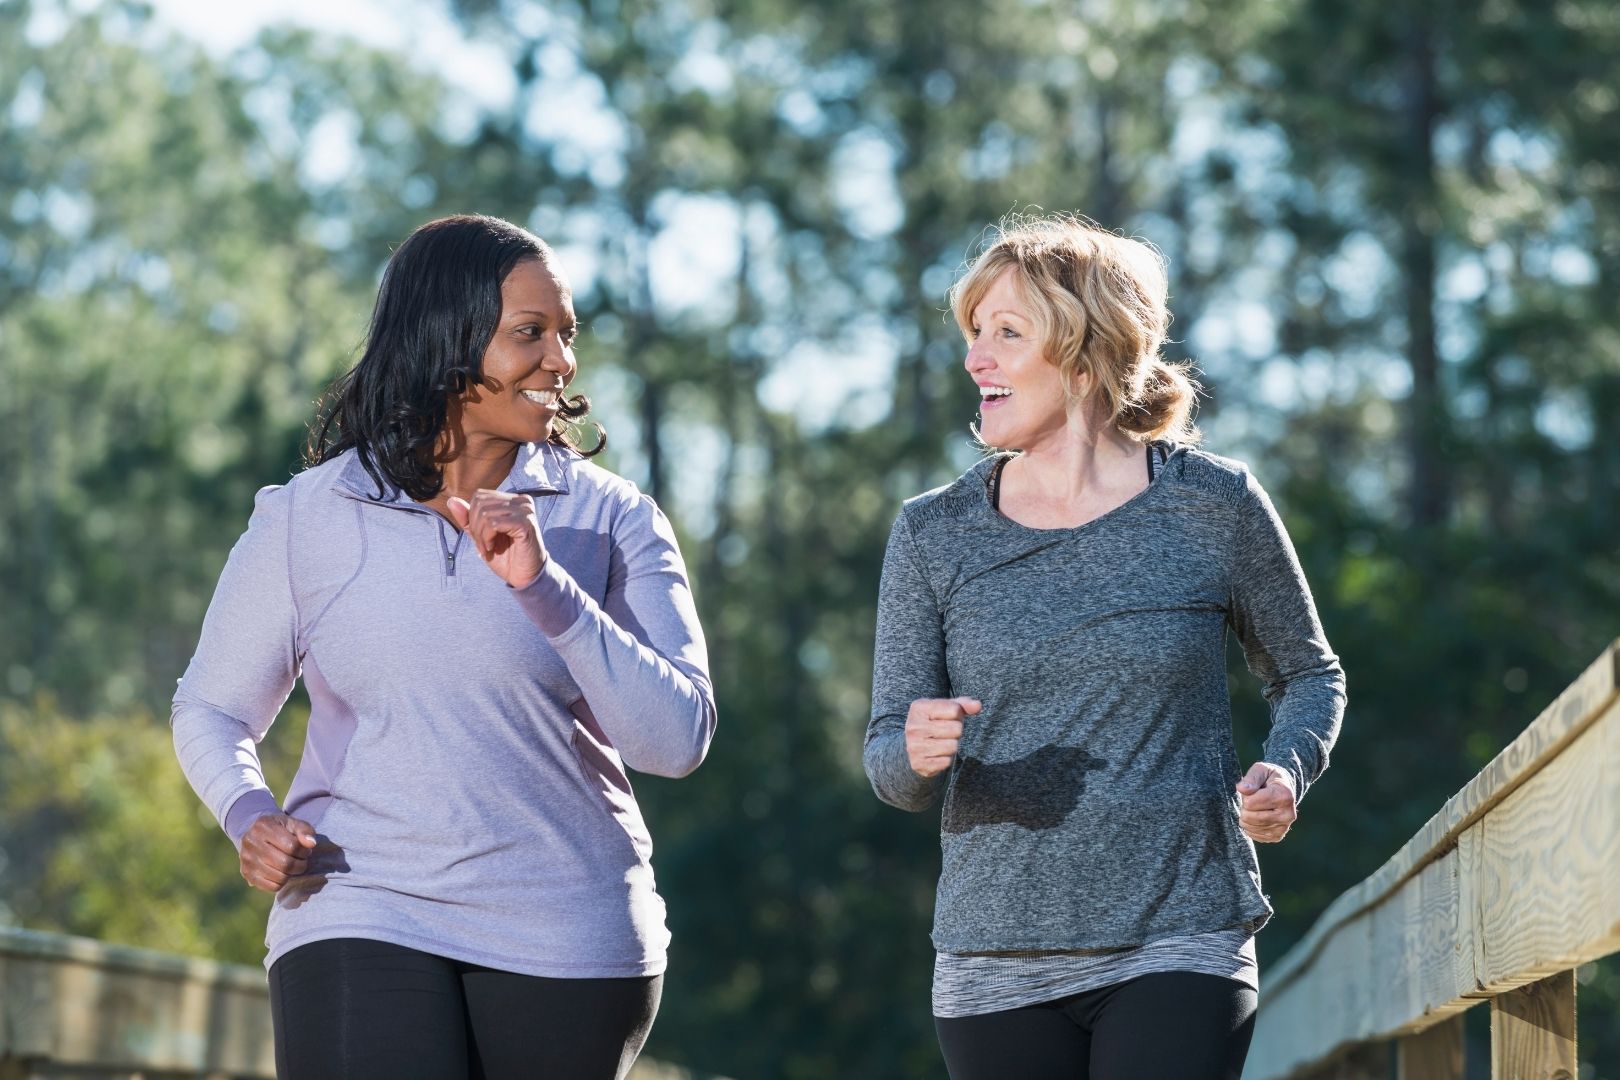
1533, 1031
1516, 878
1435, 1053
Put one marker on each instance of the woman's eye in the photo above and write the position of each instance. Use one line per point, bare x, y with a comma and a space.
529, 331
1008, 332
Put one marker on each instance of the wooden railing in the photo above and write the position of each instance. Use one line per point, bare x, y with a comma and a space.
1507, 889
73, 1007
74, 1004
1514, 883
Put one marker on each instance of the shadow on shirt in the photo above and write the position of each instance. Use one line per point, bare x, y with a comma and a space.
1037, 791
325, 858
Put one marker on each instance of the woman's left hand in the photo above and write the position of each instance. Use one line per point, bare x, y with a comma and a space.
507, 534
1269, 802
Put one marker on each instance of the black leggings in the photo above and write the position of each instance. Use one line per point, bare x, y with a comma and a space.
356, 1009
1174, 1026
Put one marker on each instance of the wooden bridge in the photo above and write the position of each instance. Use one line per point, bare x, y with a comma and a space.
1514, 883
76, 1009
1507, 889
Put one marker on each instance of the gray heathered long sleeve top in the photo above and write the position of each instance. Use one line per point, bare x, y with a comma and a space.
465, 763
1092, 802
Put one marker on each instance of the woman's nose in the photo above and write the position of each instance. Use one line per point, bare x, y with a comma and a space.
558, 358
977, 358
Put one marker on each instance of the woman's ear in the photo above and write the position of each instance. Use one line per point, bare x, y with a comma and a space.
1080, 387
450, 443
1087, 402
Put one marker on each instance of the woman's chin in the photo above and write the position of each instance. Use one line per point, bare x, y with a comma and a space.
525, 433
539, 430
993, 431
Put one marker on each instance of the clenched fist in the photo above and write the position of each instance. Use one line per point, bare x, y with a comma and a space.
507, 534
1267, 792
934, 731
274, 849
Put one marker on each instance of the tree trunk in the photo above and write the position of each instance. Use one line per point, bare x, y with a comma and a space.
1429, 496
640, 334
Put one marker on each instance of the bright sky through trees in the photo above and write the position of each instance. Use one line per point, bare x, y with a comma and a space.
695, 255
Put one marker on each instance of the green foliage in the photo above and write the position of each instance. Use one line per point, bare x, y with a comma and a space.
102, 837
171, 306
1398, 198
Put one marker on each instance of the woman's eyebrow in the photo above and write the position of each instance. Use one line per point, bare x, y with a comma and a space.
571, 321
1008, 311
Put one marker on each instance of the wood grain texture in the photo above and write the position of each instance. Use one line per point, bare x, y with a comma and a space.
1401, 967
1569, 714
1530, 889
1533, 1031
1434, 1054
1549, 875
1524, 882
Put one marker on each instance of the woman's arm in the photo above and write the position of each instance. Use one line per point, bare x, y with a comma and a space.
639, 656
244, 667
1275, 620
908, 665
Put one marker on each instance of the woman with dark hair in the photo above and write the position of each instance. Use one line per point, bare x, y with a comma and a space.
461, 873
1051, 663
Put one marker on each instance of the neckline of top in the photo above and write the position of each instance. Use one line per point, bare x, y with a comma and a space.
538, 469
997, 462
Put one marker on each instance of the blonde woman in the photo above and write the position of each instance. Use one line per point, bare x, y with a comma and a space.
1051, 661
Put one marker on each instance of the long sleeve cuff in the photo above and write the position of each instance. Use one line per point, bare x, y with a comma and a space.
657, 711
893, 779
553, 601
248, 808
1303, 768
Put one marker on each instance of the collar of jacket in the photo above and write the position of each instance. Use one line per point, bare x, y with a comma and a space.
540, 469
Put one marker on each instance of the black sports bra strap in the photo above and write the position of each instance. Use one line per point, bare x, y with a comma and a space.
1157, 457
995, 482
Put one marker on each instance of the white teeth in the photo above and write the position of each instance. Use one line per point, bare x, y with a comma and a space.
994, 391
541, 397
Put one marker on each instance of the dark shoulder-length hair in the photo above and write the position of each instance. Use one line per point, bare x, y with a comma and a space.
437, 309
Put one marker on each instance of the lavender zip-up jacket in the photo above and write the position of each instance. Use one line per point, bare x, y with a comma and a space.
465, 765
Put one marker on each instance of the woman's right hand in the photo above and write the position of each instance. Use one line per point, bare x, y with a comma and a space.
506, 533
934, 731
275, 848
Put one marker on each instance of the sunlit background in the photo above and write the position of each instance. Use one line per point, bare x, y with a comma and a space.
1394, 238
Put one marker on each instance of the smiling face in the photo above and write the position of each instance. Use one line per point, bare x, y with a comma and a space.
1022, 400
529, 361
